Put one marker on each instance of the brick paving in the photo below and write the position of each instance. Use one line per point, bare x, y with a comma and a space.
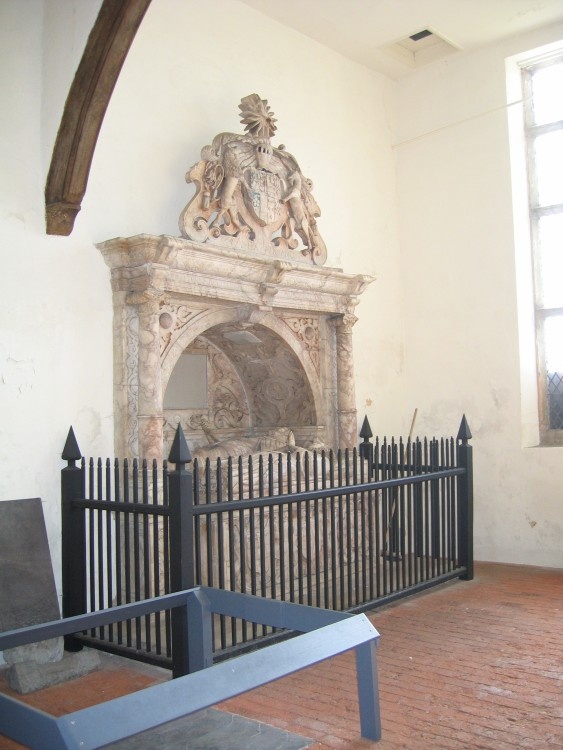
476, 665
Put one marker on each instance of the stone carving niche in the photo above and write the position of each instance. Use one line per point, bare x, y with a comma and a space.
245, 286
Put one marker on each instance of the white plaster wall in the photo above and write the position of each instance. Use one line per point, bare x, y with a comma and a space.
460, 294
191, 63
55, 299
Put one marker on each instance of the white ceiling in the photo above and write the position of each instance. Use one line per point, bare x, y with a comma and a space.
362, 29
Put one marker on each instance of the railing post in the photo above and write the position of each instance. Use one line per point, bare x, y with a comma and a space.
366, 447
465, 499
73, 537
180, 498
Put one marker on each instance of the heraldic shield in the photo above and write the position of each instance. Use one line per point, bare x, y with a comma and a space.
251, 195
262, 192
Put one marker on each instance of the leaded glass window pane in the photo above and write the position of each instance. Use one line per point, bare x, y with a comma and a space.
553, 343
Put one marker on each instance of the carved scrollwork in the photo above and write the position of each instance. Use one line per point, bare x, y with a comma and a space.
227, 403
173, 318
306, 330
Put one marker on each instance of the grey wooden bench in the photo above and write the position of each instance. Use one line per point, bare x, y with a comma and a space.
323, 634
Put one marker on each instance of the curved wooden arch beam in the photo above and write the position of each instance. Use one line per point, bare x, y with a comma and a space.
88, 98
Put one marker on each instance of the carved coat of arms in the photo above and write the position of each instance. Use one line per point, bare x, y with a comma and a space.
262, 193
251, 195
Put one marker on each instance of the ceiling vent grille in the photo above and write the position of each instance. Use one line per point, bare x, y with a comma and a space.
420, 35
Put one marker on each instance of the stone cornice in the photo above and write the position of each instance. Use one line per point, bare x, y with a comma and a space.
188, 269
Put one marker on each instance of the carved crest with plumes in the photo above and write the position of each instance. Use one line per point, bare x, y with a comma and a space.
257, 117
251, 195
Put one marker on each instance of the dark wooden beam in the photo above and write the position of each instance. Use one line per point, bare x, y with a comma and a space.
88, 98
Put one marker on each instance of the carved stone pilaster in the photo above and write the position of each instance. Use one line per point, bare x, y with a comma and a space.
149, 400
346, 399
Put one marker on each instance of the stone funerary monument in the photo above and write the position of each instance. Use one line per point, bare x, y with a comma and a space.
245, 292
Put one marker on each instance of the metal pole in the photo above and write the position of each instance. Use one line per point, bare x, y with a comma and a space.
465, 499
180, 493
73, 532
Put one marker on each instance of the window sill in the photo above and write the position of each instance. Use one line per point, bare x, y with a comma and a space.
551, 439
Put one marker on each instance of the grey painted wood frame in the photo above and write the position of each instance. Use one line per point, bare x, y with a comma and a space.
324, 634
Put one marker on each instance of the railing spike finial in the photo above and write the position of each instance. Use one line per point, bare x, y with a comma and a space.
464, 433
180, 451
71, 451
366, 432
366, 448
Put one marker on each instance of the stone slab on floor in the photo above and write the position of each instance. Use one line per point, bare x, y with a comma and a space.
212, 729
28, 676
28, 595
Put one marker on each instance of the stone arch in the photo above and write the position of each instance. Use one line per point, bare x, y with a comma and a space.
202, 321
278, 376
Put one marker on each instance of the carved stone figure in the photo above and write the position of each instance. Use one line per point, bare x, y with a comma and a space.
251, 195
281, 440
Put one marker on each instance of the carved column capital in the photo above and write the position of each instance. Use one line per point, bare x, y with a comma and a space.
347, 322
148, 299
344, 323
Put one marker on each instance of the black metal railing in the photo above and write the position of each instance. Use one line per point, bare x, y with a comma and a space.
116, 549
347, 531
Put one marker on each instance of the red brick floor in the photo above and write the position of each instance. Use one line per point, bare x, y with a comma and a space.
476, 665
469, 665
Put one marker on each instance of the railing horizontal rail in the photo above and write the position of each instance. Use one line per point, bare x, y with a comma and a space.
149, 509
416, 588
69, 625
230, 506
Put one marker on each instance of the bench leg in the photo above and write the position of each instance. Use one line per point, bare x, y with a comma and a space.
368, 691
199, 646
